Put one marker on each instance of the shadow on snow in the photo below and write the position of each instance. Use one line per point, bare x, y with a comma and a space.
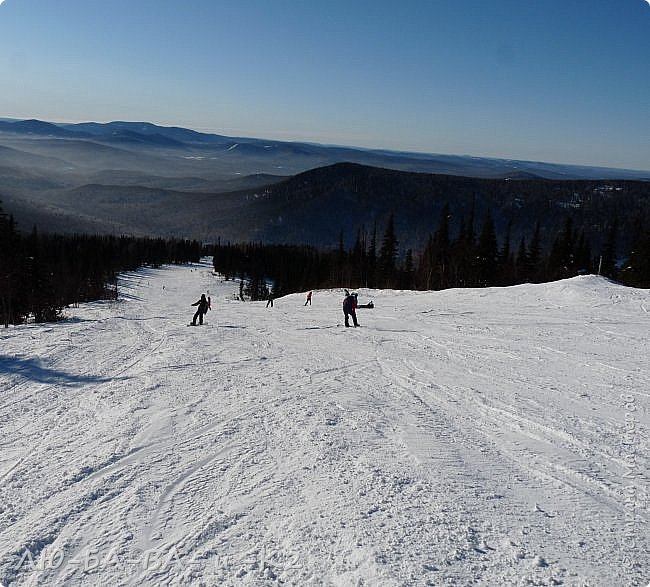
30, 368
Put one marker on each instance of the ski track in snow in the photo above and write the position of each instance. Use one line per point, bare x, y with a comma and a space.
465, 437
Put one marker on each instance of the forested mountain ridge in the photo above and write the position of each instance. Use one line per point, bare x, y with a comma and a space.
315, 207
389, 229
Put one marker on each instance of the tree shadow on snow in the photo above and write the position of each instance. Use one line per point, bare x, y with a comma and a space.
77, 320
30, 368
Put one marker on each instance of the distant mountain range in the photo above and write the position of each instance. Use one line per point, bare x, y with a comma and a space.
307, 155
140, 178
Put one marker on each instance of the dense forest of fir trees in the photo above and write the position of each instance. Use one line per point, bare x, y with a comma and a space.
40, 274
471, 257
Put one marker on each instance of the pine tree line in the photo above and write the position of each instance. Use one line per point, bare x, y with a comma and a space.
40, 274
472, 257
272, 269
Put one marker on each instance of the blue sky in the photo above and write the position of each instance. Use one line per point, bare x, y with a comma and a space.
563, 81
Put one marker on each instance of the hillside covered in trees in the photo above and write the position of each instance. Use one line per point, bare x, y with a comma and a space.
317, 206
371, 227
470, 256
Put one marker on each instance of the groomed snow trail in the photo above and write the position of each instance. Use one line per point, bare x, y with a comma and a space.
467, 437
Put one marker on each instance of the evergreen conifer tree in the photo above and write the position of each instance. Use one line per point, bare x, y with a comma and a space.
388, 255
487, 252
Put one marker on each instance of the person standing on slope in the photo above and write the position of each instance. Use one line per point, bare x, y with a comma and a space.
349, 308
203, 307
308, 299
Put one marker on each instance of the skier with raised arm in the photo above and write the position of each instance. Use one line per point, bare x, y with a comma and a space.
349, 308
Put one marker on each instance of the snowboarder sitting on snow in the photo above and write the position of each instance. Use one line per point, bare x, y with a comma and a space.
349, 308
203, 307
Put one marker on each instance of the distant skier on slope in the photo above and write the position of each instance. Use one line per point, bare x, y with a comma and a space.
308, 299
203, 307
349, 308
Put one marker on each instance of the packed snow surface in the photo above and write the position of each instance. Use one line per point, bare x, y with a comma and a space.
465, 437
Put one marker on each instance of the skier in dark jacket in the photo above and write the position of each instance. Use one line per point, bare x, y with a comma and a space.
203, 307
349, 308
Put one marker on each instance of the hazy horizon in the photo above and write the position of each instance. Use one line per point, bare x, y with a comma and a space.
551, 82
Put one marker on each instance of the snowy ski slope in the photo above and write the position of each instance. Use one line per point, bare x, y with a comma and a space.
466, 437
